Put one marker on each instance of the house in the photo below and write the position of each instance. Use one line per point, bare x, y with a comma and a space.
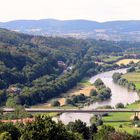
14, 90
62, 64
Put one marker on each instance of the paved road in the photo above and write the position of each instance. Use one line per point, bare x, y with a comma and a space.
41, 110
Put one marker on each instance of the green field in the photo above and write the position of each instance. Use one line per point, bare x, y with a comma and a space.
112, 59
85, 82
133, 77
122, 119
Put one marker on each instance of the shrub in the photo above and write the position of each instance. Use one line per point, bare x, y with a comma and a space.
119, 105
131, 69
98, 82
93, 92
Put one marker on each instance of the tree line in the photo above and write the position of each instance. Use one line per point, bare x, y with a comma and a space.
44, 128
117, 78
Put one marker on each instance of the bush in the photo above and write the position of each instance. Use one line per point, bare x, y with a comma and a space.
131, 69
68, 101
98, 82
120, 126
5, 136
104, 93
96, 120
93, 92
99, 122
119, 105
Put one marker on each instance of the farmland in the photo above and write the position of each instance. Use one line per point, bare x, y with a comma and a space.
133, 77
112, 59
127, 61
122, 121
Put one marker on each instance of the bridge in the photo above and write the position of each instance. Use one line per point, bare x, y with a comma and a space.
42, 110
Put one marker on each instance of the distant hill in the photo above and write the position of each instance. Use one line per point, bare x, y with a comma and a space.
113, 30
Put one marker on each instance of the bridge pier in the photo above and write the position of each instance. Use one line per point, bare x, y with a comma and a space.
136, 116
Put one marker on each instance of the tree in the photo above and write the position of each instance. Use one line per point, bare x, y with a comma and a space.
80, 127
10, 102
96, 120
98, 82
104, 93
116, 76
132, 69
11, 129
2, 84
93, 92
92, 130
5, 136
68, 101
103, 132
93, 119
45, 128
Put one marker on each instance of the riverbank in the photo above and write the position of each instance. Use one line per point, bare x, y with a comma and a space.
83, 87
121, 121
119, 94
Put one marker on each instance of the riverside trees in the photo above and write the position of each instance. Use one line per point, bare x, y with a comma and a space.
117, 78
103, 92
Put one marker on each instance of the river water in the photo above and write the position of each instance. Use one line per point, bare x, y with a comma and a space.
119, 94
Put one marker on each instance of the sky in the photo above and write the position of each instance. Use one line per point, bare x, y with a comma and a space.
97, 10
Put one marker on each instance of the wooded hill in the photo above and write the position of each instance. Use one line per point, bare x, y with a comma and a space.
34, 69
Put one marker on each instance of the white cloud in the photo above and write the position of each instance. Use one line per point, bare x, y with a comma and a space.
100, 10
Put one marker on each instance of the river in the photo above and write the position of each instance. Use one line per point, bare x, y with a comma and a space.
119, 94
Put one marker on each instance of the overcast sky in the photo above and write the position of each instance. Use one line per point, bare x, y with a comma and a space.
97, 10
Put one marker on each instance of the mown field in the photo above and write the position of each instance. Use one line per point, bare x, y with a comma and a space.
112, 59
127, 61
133, 77
122, 121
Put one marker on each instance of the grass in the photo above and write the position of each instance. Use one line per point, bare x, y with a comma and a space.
133, 77
117, 119
85, 82
137, 84
127, 61
51, 114
112, 59
126, 126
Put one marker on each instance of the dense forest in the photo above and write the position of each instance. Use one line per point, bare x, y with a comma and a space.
34, 69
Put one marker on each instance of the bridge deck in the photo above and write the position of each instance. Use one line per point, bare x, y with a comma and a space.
41, 110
